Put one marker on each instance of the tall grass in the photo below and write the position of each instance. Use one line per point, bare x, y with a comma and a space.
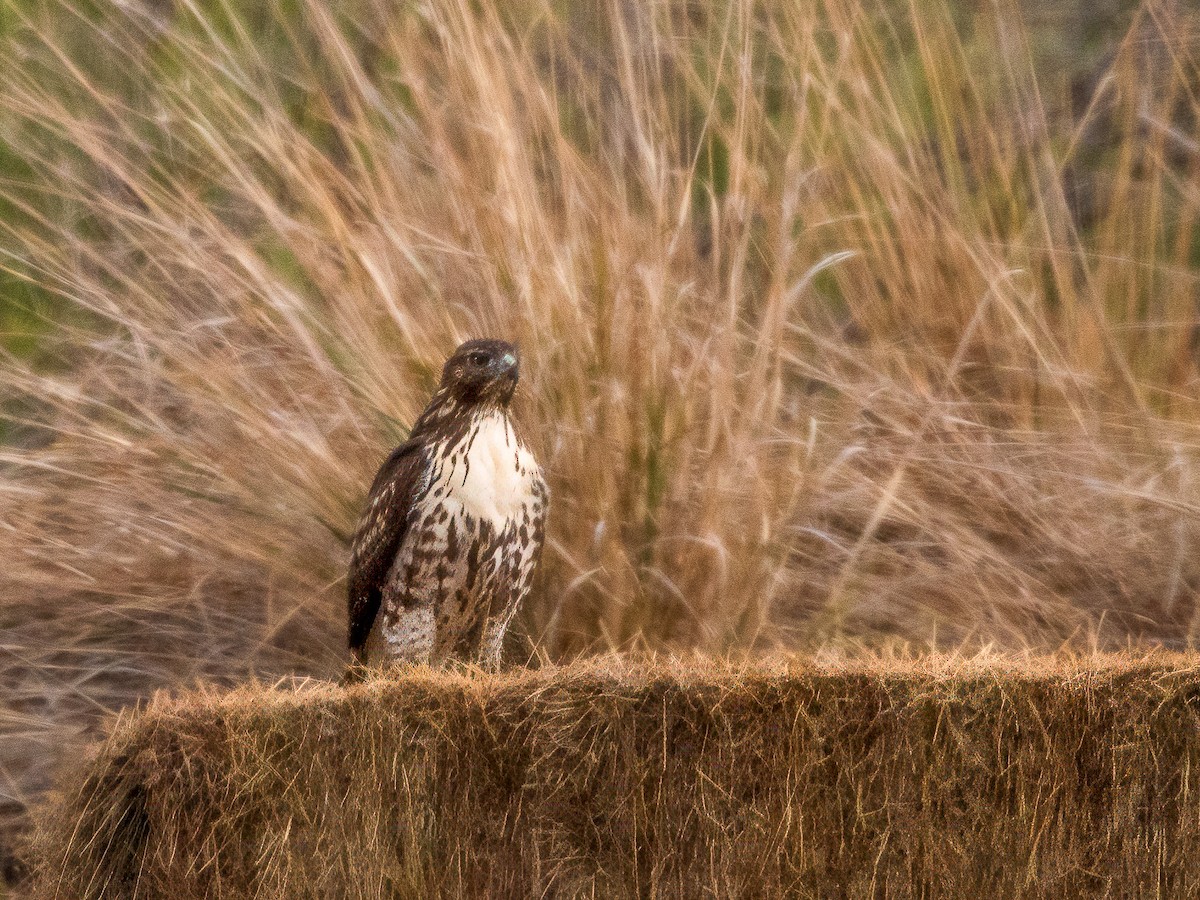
841, 321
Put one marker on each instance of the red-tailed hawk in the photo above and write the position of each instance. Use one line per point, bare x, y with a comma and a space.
454, 524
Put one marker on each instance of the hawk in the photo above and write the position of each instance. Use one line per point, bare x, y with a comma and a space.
454, 523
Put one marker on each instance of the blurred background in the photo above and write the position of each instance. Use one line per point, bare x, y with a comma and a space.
848, 326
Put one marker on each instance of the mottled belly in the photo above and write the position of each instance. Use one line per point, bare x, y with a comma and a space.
454, 575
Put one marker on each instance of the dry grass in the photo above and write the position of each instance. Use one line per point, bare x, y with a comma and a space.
935, 779
841, 321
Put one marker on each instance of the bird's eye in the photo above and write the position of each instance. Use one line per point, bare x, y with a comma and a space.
478, 359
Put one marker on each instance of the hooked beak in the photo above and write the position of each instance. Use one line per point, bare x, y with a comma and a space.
506, 368
508, 365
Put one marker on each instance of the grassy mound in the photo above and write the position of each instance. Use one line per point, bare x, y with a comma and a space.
687, 780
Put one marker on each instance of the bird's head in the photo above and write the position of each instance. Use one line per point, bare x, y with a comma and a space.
482, 371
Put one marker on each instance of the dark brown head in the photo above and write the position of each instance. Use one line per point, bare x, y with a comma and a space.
482, 371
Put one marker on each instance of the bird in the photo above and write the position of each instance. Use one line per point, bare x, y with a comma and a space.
454, 523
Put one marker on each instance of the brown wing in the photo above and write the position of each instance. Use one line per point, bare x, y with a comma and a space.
378, 536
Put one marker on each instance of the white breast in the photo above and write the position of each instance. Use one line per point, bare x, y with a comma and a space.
490, 473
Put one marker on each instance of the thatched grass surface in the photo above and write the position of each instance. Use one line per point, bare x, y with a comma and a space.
681, 780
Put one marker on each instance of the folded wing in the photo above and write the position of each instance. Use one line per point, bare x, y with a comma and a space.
378, 536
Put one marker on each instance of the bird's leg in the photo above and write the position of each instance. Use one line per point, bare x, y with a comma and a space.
489, 657
492, 647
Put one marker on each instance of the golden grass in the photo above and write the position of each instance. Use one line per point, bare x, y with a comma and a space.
842, 322
938, 778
